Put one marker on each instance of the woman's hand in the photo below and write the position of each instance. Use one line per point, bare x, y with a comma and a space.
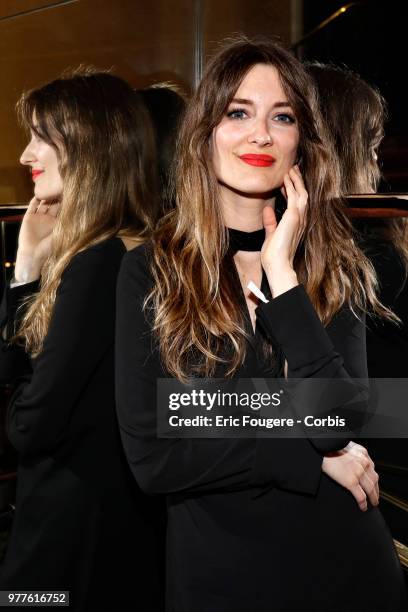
34, 241
281, 241
353, 468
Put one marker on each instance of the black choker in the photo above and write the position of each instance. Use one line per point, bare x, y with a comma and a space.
246, 241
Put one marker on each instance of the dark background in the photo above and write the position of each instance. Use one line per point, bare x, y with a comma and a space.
371, 38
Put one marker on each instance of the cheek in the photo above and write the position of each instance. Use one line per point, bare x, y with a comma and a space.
54, 166
290, 147
216, 151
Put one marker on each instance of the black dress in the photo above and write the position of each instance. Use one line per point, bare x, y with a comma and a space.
81, 523
387, 356
253, 524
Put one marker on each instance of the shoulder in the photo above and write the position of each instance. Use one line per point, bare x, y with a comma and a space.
136, 266
135, 284
98, 264
107, 254
108, 251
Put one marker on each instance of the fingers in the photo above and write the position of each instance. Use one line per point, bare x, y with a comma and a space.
295, 187
33, 205
53, 209
369, 483
269, 220
43, 207
360, 496
296, 195
290, 191
37, 206
367, 476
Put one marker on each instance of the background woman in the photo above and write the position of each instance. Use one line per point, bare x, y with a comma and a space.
81, 524
254, 524
355, 113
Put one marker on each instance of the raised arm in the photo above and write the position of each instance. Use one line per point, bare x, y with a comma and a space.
186, 465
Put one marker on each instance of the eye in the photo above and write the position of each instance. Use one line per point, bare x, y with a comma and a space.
285, 118
237, 113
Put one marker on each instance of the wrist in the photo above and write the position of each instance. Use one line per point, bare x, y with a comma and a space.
281, 279
27, 269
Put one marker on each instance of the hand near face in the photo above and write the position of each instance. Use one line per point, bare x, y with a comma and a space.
282, 240
34, 242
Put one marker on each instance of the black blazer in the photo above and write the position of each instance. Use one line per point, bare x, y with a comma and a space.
81, 523
253, 524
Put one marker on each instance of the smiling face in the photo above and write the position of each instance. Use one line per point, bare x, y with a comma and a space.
255, 144
44, 163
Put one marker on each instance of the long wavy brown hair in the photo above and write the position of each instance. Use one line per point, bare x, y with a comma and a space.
355, 113
100, 130
195, 305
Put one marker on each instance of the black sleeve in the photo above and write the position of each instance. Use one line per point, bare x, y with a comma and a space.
14, 361
77, 339
337, 352
174, 465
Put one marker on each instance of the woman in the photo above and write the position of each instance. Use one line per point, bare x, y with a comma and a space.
81, 524
254, 524
355, 113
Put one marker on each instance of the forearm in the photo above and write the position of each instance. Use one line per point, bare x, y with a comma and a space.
28, 266
281, 280
291, 322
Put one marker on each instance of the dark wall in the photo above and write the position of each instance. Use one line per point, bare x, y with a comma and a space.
370, 38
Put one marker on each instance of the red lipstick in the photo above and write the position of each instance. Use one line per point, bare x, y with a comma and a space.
257, 159
36, 173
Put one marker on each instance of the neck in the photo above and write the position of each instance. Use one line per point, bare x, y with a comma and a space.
243, 212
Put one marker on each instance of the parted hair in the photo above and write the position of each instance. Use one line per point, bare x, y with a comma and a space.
101, 133
194, 304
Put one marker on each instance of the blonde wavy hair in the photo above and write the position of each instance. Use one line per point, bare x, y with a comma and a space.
101, 133
194, 304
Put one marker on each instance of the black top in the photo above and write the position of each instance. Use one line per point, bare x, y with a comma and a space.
253, 524
81, 523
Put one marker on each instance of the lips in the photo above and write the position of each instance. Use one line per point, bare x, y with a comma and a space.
261, 160
36, 173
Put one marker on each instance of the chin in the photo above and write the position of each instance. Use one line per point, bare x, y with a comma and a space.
42, 194
258, 189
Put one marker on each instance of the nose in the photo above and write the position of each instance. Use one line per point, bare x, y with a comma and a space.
261, 133
28, 155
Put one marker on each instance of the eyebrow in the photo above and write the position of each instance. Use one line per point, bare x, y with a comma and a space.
282, 104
